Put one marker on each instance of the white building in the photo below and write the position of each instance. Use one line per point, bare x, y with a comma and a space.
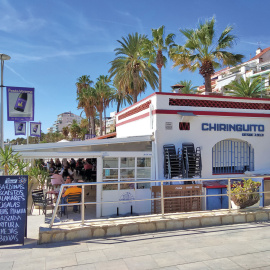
230, 136
259, 65
63, 120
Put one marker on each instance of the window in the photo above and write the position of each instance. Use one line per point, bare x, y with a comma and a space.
126, 169
232, 156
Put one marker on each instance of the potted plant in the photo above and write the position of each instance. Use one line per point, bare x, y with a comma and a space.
245, 193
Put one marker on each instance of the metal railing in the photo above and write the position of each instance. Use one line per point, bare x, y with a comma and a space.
161, 198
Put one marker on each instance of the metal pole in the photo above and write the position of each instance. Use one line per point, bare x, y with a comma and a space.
82, 210
229, 194
27, 132
2, 103
162, 200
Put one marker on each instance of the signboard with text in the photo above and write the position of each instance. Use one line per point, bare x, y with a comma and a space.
20, 104
13, 209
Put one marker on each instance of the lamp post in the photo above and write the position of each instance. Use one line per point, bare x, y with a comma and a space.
3, 57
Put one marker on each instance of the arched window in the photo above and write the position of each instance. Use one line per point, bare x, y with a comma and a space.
232, 156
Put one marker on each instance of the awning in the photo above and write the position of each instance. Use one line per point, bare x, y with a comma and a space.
186, 113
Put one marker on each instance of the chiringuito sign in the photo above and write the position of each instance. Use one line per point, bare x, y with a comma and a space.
246, 129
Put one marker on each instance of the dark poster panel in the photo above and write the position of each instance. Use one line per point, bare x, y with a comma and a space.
20, 103
13, 209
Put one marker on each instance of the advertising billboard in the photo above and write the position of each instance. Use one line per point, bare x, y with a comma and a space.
20, 104
20, 128
35, 129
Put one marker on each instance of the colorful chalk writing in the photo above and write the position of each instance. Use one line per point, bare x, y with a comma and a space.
13, 209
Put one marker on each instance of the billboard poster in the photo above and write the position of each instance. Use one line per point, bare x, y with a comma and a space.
20, 128
35, 129
20, 104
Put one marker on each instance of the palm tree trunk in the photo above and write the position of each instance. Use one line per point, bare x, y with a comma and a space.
100, 123
207, 82
159, 79
118, 106
105, 120
135, 82
89, 125
93, 125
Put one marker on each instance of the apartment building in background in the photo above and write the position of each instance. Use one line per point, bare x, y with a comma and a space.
259, 65
63, 120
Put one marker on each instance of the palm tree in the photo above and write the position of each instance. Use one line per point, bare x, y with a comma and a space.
202, 52
83, 82
122, 98
74, 129
188, 87
246, 88
65, 131
105, 93
153, 49
130, 68
86, 101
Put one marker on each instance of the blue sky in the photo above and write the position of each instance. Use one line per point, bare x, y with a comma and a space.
52, 43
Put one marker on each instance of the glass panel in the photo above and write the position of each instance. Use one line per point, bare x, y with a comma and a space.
110, 186
143, 162
142, 185
127, 162
110, 174
127, 185
143, 173
127, 173
110, 162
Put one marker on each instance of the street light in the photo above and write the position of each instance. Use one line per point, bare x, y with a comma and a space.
3, 57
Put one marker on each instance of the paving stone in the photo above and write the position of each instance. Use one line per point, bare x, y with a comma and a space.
174, 224
210, 221
194, 266
141, 263
6, 265
112, 265
147, 227
193, 255
60, 261
168, 259
29, 264
250, 217
261, 216
81, 267
239, 219
90, 257
223, 264
113, 231
99, 232
130, 229
225, 220
79, 234
191, 223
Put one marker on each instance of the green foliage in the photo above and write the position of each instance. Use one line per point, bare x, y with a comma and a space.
245, 193
188, 87
246, 88
130, 68
37, 172
202, 51
8, 159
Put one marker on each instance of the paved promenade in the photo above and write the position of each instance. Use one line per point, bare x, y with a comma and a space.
244, 246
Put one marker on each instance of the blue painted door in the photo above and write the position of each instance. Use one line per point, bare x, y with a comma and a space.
216, 202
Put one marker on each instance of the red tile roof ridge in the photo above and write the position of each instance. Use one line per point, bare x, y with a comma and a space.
259, 54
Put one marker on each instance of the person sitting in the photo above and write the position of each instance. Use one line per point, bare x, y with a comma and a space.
70, 190
56, 178
58, 164
66, 172
88, 170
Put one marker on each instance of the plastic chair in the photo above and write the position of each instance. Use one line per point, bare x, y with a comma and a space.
40, 201
73, 198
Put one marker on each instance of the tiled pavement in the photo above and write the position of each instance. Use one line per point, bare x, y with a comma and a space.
243, 246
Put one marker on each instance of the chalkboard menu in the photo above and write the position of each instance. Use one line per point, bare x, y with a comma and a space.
13, 209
